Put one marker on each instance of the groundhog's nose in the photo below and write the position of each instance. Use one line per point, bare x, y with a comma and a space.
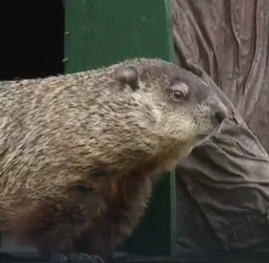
219, 111
220, 115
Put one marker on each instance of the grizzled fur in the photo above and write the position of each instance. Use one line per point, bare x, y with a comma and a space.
79, 152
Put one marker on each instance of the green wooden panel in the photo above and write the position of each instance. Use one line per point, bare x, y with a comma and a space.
102, 32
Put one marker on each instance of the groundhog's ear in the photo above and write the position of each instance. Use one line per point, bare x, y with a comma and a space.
128, 75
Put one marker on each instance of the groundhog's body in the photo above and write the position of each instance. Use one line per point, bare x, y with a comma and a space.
78, 153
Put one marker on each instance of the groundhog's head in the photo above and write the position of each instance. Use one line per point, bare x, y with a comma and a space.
165, 107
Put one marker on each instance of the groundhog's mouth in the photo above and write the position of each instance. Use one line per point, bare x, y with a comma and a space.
205, 136
202, 137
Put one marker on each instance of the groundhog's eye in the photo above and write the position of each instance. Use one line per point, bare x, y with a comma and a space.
179, 91
177, 95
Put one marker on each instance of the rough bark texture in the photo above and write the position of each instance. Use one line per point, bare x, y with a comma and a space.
224, 185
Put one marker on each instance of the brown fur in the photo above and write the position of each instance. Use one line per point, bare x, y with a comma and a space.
79, 152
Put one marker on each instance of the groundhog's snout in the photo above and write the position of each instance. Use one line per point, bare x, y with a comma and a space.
219, 111
220, 115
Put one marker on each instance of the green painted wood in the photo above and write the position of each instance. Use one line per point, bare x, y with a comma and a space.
102, 32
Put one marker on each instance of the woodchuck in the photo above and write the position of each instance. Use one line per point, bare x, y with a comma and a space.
79, 153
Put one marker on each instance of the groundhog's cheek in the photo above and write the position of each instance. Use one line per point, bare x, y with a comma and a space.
184, 128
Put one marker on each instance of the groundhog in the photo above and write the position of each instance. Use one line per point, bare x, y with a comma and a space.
79, 152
